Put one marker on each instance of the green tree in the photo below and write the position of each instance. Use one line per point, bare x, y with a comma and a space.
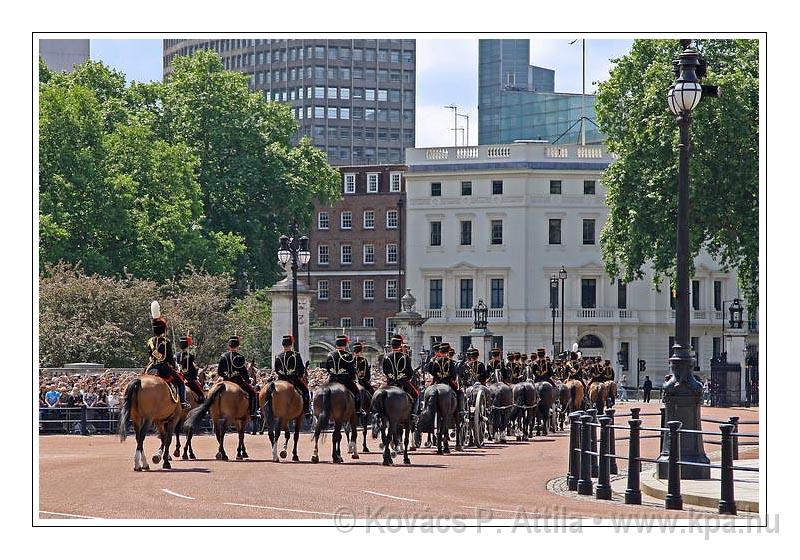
642, 184
251, 316
254, 181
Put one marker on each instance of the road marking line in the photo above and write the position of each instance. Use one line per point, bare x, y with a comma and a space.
281, 509
68, 514
389, 496
176, 494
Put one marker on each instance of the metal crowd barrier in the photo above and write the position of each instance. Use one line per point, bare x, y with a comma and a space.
586, 460
87, 421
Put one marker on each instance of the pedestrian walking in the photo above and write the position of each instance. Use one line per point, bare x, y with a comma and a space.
647, 386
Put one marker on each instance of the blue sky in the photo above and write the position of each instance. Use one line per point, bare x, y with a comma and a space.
447, 73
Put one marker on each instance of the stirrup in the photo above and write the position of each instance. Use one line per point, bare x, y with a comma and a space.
186, 405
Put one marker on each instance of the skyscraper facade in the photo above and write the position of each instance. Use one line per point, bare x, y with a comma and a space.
355, 98
61, 55
518, 101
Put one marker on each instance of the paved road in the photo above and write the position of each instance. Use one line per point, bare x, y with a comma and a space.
85, 477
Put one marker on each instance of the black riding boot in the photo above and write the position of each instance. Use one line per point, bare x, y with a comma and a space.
182, 394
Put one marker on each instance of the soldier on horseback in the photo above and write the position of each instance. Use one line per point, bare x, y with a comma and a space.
574, 370
543, 368
517, 369
476, 370
232, 368
185, 360
162, 357
341, 368
363, 373
398, 370
495, 365
443, 371
289, 367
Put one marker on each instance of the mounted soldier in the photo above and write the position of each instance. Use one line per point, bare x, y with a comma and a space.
443, 371
186, 365
495, 366
232, 367
363, 373
397, 368
289, 367
161, 355
515, 374
544, 368
341, 368
475, 369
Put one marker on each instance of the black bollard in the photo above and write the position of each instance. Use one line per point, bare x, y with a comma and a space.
633, 493
663, 424
727, 503
635, 412
585, 482
574, 450
734, 421
593, 432
673, 499
612, 446
603, 490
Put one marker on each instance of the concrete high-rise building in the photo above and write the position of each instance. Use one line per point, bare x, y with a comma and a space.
61, 55
518, 101
355, 98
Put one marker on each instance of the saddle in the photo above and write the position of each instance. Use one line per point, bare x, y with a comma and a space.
173, 391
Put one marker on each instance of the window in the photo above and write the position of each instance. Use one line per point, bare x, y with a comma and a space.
436, 234
695, 294
323, 221
344, 113
372, 182
369, 114
346, 254
588, 232
466, 232
716, 346
391, 219
391, 289
497, 187
323, 256
344, 93
622, 295
319, 112
345, 289
625, 350
555, 231
369, 253
466, 188
369, 219
345, 322
349, 183
347, 219
331, 112
465, 300
717, 295
368, 322
331, 92
589, 187
696, 350
394, 183
436, 189
322, 289
319, 93
497, 232
496, 293
391, 253
369, 289
369, 94
555, 187
382, 95
435, 294
588, 293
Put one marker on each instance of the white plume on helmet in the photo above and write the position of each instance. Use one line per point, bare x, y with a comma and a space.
574, 344
155, 310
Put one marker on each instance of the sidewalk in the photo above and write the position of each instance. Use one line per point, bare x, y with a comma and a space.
706, 493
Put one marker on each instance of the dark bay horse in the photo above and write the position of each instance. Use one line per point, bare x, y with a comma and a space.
191, 398
391, 415
334, 402
598, 394
563, 398
149, 400
228, 403
547, 398
522, 416
366, 407
502, 401
440, 403
278, 407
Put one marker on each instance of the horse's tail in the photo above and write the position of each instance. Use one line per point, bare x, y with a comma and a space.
325, 413
572, 406
193, 418
269, 415
130, 393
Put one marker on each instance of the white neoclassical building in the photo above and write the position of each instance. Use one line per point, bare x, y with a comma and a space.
496, 222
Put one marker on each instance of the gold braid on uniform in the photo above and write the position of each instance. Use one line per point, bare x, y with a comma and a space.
395, 366
286, 367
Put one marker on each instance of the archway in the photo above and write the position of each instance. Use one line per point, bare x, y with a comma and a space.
590, 341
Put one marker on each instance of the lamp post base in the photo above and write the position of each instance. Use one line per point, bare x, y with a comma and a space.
683, 404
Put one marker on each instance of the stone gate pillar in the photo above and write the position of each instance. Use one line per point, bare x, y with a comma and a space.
281, 297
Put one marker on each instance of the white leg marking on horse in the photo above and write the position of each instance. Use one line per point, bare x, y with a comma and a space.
136, 460
143, 457
281, 509
171, 493
275, 450
389, 496
69, 515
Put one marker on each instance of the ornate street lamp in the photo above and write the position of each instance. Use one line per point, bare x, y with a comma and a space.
553, 307
562, 275
296, 250
682, 392
481, 313
735, 311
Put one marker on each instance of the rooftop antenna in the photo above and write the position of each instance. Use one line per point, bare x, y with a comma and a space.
466, 116
583, 90
455, 123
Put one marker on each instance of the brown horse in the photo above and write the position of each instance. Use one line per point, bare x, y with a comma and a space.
148, 400
228, 403
598, 394
612, 392
194, 402
277, 409
576, 395
333, 401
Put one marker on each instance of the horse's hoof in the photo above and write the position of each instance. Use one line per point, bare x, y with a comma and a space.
176, 453
314, 459
354, 455
447, 451
137, 469
245, 455
439, 452
365, 449
387, 463
338, 460
406, 461
156, 459
146, 468
283, 454
239, 458
166, 466
276, 460
191, 456
295, 458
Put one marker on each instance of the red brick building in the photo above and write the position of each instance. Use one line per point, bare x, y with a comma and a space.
357, 250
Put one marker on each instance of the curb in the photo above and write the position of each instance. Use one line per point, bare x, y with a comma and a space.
655, 491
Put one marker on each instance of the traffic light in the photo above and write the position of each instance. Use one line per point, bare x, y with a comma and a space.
642, 365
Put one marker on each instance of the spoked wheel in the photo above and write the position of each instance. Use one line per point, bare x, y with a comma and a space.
479, 420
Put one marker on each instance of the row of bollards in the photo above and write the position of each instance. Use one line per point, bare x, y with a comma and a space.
587, 460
